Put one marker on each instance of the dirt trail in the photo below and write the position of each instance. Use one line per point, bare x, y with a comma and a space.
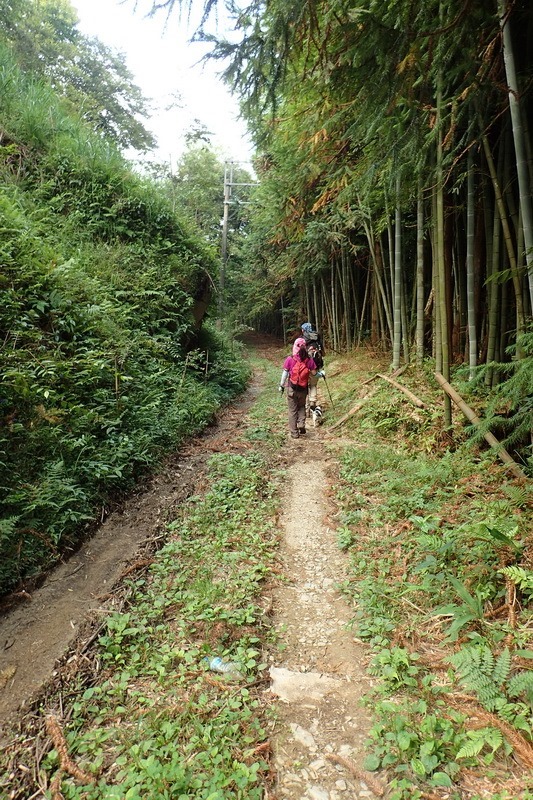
319, 672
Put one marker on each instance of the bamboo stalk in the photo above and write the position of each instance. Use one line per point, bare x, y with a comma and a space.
361, 403
352, 411
475, 420
412, 397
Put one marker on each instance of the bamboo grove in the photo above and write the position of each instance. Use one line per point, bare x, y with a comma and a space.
396, 174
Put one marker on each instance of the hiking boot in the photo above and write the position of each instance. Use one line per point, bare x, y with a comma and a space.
302, 431
294, 435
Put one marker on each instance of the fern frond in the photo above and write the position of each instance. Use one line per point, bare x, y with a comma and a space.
488, 692
521, 685
522, 578
8, 527
430, 542
471, 749
478, 671
520, 496
483, 737
487, 661
502, 667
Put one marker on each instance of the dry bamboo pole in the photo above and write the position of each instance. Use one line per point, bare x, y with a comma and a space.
361, 402
475, 420
352, 411
412, 397
517, 285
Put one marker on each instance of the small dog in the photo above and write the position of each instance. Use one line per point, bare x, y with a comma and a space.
316, 413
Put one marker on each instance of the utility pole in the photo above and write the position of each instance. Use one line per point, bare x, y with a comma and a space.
228, 185
228, 182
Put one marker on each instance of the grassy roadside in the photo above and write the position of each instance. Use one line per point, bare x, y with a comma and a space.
146, 717
441, 555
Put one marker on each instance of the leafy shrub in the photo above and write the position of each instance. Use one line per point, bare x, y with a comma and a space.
103, 366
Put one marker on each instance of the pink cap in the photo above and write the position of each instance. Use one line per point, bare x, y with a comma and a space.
297, 344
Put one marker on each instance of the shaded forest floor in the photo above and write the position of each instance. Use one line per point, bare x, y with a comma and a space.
313, 644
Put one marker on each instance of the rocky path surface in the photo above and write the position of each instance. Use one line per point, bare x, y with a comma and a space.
319, 673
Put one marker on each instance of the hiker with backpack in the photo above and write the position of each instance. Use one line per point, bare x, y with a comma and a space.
297, 369
315, 350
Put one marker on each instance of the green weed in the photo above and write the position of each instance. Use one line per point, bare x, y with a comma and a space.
160, 724
431, 548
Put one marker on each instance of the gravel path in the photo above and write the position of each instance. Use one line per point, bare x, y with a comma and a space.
319, 672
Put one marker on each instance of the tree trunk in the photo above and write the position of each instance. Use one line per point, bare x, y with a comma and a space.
475, 420
397, 339
493, 292
470, 293
347, 296
362, 317
442, 305
517, 285
420, 276
317, 317
405, 325
526, 206
334, 307
377, 264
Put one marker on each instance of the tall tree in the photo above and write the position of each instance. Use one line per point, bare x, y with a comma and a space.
524, 180
92, 77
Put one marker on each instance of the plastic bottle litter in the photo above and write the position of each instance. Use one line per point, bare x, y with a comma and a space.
229, 669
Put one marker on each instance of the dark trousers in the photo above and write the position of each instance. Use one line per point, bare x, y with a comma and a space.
296, 402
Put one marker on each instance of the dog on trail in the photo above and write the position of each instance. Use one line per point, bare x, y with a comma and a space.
316, 414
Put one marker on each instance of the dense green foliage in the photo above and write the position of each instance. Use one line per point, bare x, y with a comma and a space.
439, 577
433, 600
104, 363
358, 111
395, 199
214, 195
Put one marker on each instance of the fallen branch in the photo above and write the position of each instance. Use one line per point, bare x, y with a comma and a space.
369, 779
369, 380
351, 412
395, 374
412, 397
475, 420
145, 562
361, 403
66, 764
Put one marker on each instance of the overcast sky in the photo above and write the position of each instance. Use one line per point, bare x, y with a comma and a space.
164, 64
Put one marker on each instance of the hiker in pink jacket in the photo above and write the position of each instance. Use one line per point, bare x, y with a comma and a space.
295, 377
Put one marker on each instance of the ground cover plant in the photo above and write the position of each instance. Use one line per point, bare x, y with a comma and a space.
440, 547
150, 719
105, 365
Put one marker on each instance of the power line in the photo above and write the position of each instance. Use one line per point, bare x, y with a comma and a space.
229, 183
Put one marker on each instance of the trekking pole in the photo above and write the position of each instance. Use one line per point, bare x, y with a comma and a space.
330, 397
